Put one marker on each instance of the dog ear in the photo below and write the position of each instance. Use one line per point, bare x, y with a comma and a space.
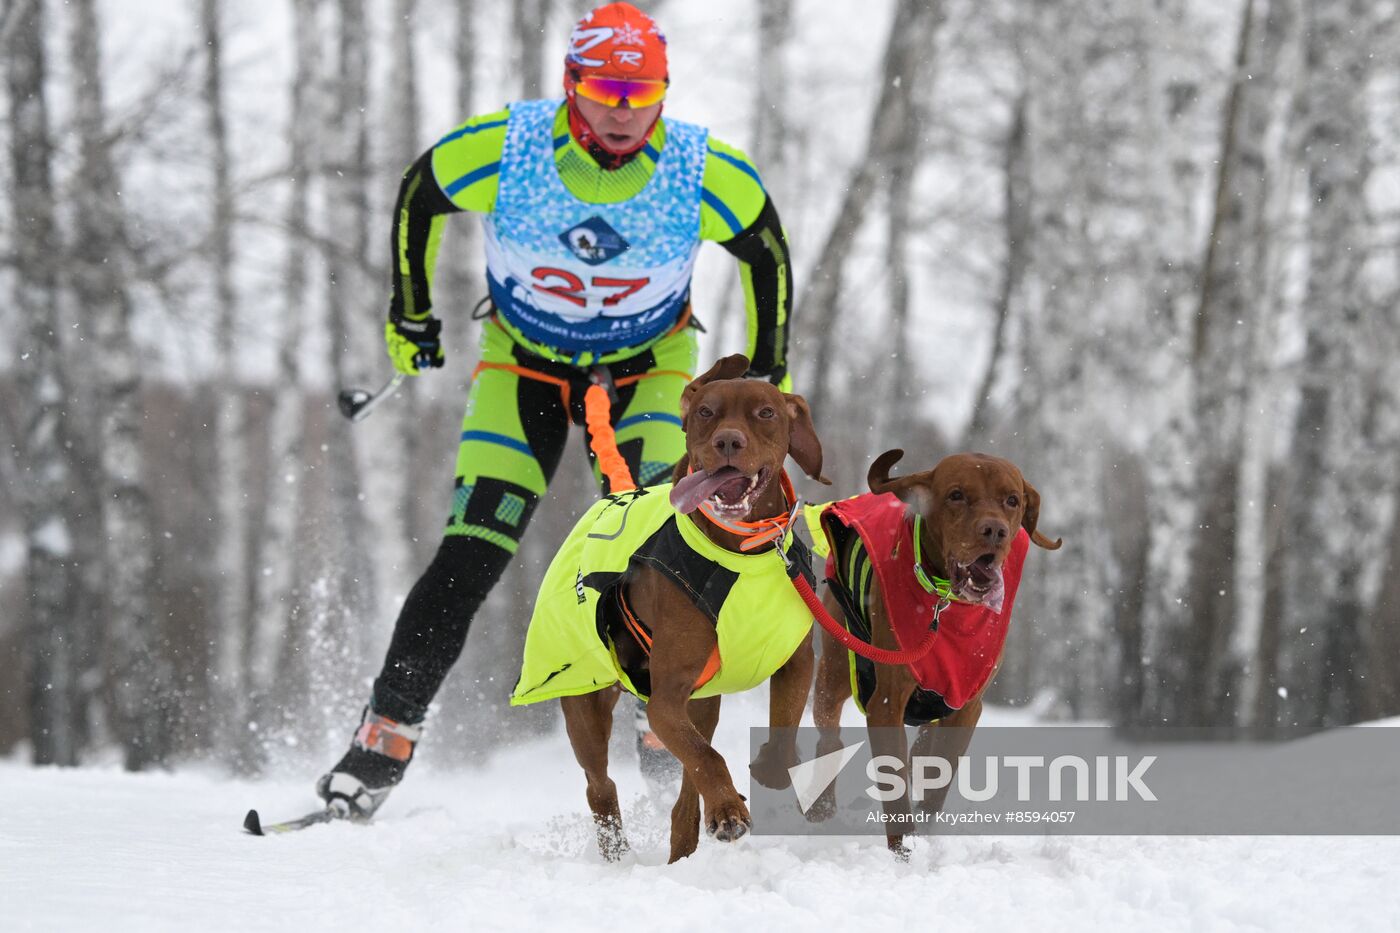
910, 489
804, 447
878, 476
729, 367
1031, 518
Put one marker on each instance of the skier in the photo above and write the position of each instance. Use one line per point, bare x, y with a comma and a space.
593, 209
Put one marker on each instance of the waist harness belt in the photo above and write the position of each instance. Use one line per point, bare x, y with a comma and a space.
597, 407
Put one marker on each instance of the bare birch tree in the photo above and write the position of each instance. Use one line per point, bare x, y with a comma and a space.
277, 563
1016, 223
1171, 102
907, 145
140, 675
1383, 642
1064, 360
1252, 654
229, 477
54, 639
1333, 476
349, 581
1187, 635
916, 23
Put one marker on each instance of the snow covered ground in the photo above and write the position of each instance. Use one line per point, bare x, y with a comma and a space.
508, 846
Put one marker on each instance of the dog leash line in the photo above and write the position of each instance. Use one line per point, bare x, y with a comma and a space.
850, 641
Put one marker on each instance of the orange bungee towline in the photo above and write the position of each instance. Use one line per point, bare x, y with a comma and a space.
597, 412
597, 415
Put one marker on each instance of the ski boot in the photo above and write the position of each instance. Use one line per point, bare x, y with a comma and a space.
360, 782
660, 769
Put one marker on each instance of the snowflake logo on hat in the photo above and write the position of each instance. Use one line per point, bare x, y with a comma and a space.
627, 34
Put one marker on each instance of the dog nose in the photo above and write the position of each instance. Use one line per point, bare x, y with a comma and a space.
992, 530
729, 441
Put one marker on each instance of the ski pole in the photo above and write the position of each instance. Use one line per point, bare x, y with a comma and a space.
356, 404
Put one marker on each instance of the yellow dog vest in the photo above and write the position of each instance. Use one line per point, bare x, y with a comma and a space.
759, 618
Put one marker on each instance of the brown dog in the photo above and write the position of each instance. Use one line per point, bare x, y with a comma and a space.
686, 613
967, 513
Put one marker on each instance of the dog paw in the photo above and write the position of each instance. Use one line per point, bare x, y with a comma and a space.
728, 822
612, 843
614, 848
823, 808
771, 767
898, 848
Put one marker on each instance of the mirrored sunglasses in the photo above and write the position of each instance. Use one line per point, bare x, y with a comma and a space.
611, 92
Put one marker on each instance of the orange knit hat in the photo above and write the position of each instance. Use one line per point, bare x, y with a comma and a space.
616, 41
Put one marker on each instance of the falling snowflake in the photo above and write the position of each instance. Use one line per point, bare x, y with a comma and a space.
627, 34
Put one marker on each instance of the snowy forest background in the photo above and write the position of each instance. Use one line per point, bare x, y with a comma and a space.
1148, 249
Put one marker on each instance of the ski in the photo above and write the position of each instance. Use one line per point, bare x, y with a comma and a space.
254, 825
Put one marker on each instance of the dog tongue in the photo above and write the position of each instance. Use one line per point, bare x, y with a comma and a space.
996, 595
695, 488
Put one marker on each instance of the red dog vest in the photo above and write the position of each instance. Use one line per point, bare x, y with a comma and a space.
970, 637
